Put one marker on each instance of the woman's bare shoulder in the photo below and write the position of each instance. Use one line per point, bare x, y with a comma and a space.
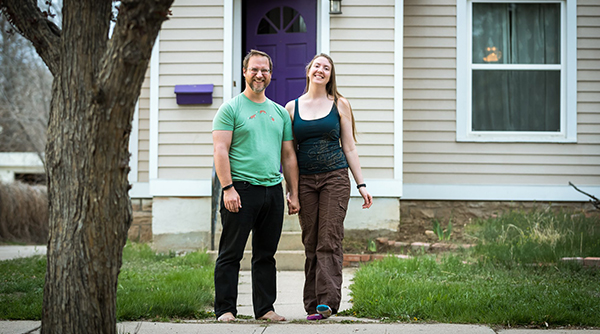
290, 108
343, 106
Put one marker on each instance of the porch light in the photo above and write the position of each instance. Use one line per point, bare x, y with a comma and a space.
335, 6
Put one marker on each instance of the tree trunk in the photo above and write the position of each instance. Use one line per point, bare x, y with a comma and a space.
87, 158
96, 84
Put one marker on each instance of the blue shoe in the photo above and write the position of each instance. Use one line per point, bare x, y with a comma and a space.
324, 310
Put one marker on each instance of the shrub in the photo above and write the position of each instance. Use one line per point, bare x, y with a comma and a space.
23, 213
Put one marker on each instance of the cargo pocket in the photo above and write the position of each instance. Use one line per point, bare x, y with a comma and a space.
338, 230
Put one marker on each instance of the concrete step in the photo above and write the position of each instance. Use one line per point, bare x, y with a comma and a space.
286, 259
289, 241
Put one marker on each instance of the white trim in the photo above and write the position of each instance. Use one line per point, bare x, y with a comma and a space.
237, 48
379, 187
532, 67
323, 27
19, 162
154, 105
571, 70
134, 144
232, 48
398, 89
568, 66
20, 159
140, 190
451, 192
201, 188
462, 79
227, 49
191, 188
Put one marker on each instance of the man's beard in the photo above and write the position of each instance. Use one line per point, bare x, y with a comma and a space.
254, 86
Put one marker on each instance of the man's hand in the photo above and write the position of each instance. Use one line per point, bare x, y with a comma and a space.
293, 204
232, 200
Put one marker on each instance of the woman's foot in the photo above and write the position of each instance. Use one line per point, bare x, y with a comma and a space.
315, 316
324, 310
226, 317
272, 316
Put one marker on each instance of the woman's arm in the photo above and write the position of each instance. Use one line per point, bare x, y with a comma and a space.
349, 149
290, 108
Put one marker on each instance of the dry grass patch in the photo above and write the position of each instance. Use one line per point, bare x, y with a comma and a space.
23, 213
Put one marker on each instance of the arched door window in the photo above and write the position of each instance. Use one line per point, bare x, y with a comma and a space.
279, 19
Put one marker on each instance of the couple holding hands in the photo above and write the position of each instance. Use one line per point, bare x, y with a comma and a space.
312, 139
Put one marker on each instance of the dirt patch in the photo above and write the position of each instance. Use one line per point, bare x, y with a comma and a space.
370, 242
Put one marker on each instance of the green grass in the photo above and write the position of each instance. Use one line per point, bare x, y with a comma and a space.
151, 286
423, 289
22, 287
499, 282
164, 286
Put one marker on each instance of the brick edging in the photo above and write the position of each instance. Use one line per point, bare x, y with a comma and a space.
354, 260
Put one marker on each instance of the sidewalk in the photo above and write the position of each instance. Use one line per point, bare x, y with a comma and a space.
289, 304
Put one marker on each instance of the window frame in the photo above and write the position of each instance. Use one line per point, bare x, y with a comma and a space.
568, 84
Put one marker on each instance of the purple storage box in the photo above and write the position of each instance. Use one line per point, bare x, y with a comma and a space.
194, 94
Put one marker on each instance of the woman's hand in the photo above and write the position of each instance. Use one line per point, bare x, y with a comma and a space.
366, 196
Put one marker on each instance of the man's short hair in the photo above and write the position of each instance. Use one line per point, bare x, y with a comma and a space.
253, 53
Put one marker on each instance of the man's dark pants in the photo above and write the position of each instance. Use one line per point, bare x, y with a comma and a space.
262, 213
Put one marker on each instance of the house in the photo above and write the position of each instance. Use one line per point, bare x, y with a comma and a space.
463, 107
21, 147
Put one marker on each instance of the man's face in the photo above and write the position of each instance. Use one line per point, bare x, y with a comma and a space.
258, 74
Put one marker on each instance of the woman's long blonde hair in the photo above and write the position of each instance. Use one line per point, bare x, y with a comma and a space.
330, 87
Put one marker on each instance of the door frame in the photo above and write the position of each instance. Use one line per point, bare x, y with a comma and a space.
232, 43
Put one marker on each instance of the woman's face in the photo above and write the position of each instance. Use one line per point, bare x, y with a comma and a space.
320, 71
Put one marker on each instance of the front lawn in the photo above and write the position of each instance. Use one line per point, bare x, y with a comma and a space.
151, 286
513, 277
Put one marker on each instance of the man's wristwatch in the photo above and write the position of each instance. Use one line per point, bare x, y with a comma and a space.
227, 187
358, 186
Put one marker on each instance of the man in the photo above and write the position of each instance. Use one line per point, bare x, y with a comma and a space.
252, 136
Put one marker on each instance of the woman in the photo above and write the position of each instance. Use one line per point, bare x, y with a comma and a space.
324, 131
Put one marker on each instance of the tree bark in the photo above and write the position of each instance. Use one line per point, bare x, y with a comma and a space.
96, 84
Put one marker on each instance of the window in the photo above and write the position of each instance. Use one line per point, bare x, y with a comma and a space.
271, 22
516, 71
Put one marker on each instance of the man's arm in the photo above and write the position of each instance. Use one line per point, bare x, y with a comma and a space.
290, 173
221, 145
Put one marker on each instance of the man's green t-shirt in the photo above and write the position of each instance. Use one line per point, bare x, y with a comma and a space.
258, 132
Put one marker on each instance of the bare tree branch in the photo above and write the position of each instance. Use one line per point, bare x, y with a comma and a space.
137, 22
43, 34
593, 199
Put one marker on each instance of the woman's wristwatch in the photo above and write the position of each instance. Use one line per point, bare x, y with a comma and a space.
358, 186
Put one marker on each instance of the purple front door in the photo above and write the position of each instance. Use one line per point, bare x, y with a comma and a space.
287, 31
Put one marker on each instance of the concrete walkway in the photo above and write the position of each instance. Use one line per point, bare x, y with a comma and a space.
13, 252
289, 304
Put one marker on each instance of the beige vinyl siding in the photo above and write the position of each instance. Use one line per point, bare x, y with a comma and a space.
191, 52
431, 153
588, 75
144, 130
362, 47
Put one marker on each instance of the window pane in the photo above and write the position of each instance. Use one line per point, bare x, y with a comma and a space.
490, 33
271, 23
289, 15
516, 100
508, 33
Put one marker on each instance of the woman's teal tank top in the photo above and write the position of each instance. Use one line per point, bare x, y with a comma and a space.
318, 141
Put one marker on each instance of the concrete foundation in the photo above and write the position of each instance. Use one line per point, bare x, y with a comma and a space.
181, 223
